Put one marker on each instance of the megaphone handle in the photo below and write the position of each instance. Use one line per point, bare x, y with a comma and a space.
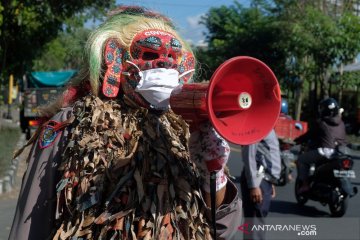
213, 201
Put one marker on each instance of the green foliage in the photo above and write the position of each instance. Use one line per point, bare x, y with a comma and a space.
236, 30
321, 31
351, 80
348, 37
317, 41
28, 26
301, 41
64, 52
1, 16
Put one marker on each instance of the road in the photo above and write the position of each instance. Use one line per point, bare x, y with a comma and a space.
8, 200
283, 206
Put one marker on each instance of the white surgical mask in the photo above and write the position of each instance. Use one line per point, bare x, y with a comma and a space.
157, 84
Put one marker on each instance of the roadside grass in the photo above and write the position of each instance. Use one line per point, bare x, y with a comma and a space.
8, 140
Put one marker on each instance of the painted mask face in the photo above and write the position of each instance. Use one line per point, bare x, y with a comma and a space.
154, 49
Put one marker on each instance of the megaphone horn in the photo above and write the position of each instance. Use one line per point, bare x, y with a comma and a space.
242, 100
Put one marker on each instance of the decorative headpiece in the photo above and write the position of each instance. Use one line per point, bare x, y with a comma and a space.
134, 39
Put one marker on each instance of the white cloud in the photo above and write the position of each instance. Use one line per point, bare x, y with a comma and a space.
193, 31
201, 43
193, 21
189, 41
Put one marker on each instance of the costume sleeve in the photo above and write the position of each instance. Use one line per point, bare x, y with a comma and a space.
228, 216
249, 157
34, 214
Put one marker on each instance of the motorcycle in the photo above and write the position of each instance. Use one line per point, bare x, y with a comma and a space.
330, 183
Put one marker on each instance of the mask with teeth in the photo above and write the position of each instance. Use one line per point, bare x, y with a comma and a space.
155, 64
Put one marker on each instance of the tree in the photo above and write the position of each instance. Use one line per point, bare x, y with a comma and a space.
311, 42
347, 44
28, 25
63, 52
236, 30
302, 40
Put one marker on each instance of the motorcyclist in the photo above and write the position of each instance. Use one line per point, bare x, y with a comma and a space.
328, 132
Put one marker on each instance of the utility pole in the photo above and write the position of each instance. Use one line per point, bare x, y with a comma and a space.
11, 83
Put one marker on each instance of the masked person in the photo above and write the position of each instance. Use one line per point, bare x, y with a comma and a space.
262, 166
322, 139
114, 162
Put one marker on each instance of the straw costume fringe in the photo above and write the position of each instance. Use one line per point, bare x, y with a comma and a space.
127, 175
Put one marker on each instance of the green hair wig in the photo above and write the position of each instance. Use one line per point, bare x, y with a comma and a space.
122, 25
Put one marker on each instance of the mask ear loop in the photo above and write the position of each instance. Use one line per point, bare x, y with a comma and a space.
136, 66
186, 73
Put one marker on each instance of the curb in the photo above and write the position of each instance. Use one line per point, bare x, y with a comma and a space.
7, 182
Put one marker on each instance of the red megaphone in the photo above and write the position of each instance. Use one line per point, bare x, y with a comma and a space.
242, 100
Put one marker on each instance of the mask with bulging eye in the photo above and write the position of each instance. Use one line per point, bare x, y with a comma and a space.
156, 49
155, 52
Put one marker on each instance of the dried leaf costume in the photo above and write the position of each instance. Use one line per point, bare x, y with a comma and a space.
115, 163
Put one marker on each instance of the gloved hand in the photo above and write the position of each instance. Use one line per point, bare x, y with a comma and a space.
210, 152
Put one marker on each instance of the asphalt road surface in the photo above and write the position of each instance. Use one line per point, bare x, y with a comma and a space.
283, 206
8, 200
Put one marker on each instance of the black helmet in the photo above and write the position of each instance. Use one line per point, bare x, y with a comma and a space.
328, 108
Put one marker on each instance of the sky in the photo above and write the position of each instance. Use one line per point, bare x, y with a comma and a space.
185, 14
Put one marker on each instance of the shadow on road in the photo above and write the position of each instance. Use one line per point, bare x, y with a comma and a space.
285, 207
